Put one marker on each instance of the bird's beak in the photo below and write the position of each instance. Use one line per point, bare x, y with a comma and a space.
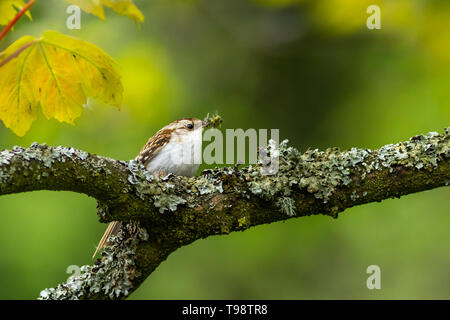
205, 124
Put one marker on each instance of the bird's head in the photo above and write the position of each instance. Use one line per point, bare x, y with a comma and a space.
185, 131
186, 125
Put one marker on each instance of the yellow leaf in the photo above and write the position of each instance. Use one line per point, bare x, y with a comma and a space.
58, 73
122, 7
9, 9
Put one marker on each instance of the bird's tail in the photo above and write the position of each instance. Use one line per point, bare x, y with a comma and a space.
113, 229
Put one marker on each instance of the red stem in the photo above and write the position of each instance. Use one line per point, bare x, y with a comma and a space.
17, 17
16, 53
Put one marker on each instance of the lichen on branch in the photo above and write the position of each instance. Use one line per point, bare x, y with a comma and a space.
179, 210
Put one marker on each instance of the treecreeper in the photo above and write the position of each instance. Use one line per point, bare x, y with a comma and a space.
171, 150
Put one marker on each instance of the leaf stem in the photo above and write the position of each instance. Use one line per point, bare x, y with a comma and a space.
16, 53
16, 18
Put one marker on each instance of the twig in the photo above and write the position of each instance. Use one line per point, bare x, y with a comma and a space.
16, 53
16, 18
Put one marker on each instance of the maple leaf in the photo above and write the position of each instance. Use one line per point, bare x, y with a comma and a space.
9, 9
56, 72
122, 7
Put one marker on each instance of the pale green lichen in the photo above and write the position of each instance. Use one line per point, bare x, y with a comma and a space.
208, 184
110, 277
162, 192
43, 154
321, 172
286, 205
421, 152
354, 196
317, 172
167, 202
166, 192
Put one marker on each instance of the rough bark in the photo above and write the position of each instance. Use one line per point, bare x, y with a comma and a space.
167, 213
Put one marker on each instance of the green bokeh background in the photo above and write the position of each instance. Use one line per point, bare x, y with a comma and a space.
311, 69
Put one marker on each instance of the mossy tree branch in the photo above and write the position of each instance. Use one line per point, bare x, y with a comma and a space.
178, 210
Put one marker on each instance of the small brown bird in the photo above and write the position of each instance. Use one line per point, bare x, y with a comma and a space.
173, 149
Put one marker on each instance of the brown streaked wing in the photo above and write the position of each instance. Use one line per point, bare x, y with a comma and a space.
154, 145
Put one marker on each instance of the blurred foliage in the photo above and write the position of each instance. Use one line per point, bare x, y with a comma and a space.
308, 67
123, 7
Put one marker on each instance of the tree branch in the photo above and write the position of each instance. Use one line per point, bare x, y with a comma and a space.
179, 210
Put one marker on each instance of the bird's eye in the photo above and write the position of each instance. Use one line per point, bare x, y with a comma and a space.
190, 126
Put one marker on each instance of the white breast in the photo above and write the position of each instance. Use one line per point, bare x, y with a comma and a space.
180, 156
